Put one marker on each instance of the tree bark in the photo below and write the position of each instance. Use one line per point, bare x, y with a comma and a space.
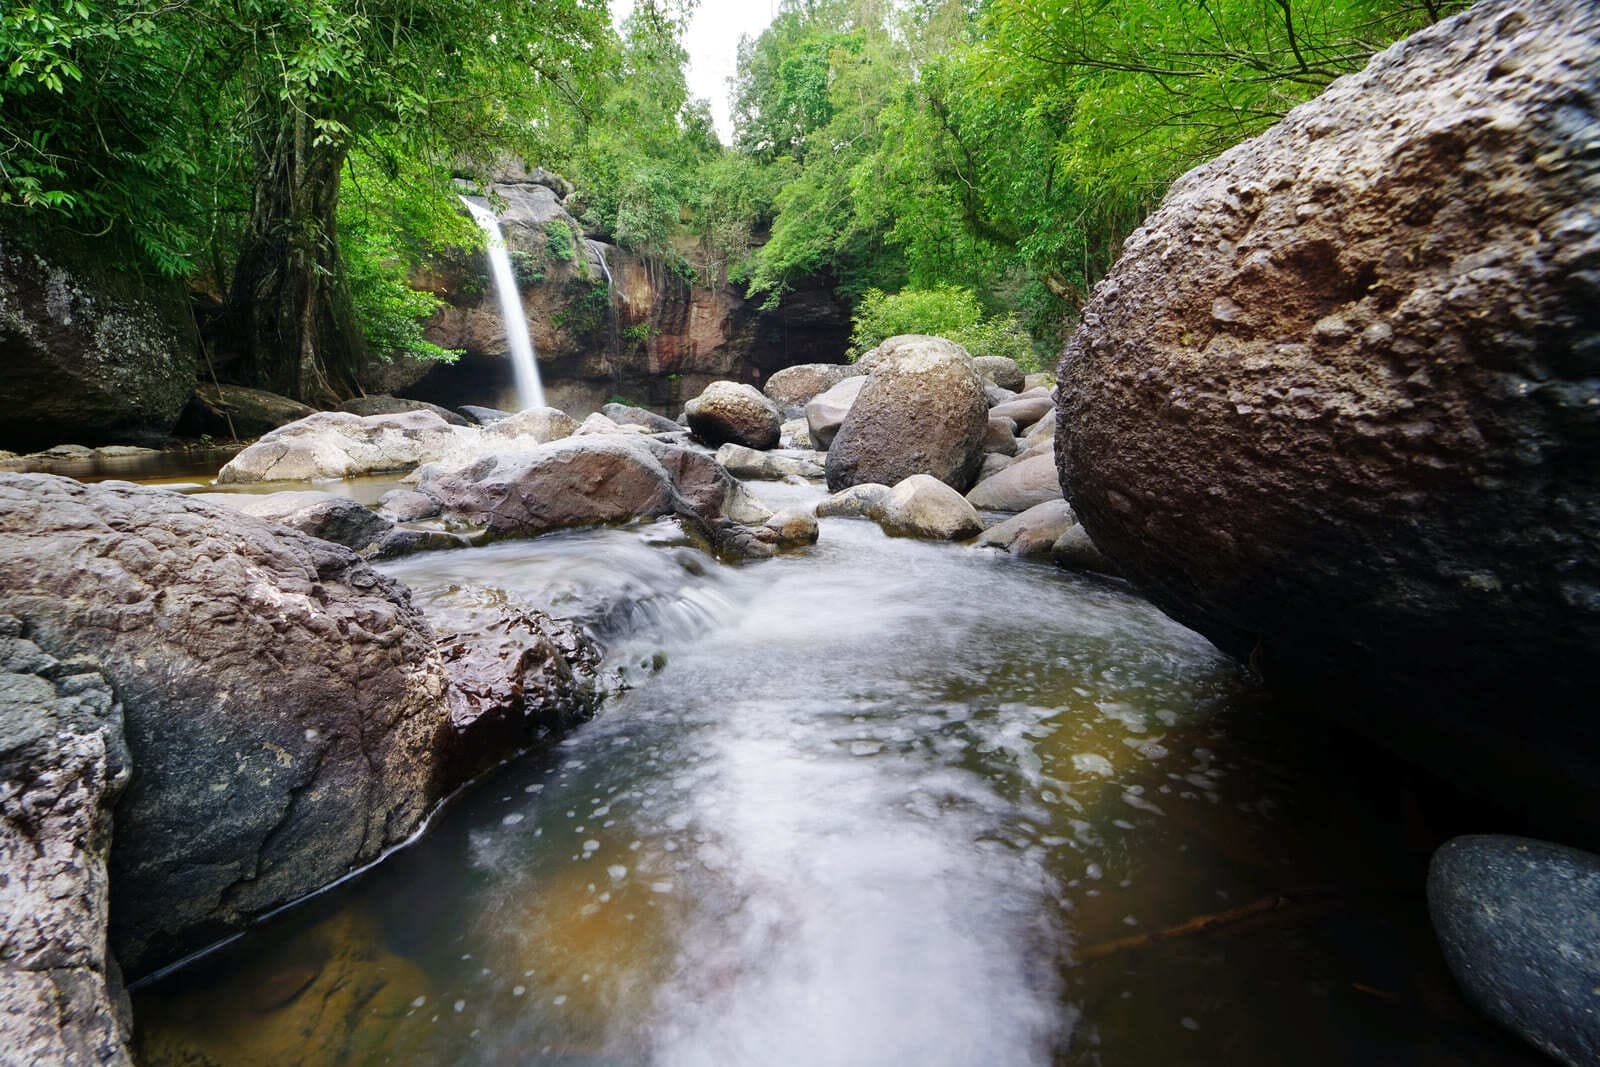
289, 308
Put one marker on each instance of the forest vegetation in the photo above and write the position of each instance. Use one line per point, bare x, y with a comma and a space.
971, 166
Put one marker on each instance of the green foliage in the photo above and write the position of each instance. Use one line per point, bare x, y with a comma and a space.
640, 332
558, 241
585, 309
939, 311
1001, 335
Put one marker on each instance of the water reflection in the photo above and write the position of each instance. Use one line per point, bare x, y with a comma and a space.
864, 805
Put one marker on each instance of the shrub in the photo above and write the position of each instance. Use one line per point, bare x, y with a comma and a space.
558, 241
938, 311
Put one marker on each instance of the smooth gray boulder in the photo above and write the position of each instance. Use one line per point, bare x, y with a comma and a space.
794, 527
922, 506
1519, 922
336, 444
922, 411
826, 411
628, 415
1076, 550
1020, 486
1032, 533
530, 426
734, 412
1024, 411
862, 501
776, 465
63, 763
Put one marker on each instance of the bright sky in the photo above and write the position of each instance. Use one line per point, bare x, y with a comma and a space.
713, 46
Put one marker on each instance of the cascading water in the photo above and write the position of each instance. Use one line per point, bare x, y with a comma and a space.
599, 252
530, 391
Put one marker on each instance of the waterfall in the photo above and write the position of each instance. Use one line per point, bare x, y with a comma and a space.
530, 392
599, 251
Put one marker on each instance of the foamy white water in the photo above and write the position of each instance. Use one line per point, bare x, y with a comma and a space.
530, 390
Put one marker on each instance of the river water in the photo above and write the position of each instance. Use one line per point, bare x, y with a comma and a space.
880, 802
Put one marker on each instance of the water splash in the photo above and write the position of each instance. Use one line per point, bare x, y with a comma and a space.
530, 391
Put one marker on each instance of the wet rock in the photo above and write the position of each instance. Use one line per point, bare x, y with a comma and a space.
1024, 411
862, 501
1336, 406
1076, 550
407, 505
628, 415
382, 404
282, 699
585, 481
795, 528
237, 411
1020, 486
1000, 370
1032, 533
734, 412
531, 426
922, 411
744, 462
483, 416
517, 677
90, 353
1001, 436
1519, 921
796, 386
826, 411
335, 444
63, 764
925, 507
338, 519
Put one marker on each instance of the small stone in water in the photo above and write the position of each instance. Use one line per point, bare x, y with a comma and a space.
518, 990
591, 845
511, 820
460, 1006
660, 887
419, 1002
1189, 1024
558, 1001
617, 870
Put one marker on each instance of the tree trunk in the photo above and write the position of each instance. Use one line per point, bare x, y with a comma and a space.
289, 307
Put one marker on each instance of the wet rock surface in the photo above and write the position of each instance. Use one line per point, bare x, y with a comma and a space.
1033, 532
921, 411
282, 699
1519, 921
1336, 404
63, 764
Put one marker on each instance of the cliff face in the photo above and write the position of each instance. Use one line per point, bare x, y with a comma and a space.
605, 321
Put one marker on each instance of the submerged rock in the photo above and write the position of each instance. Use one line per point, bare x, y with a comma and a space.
1337, 403
63, 764
283, 701
922, 411
734, 412
1519, 922
795, 527
1075, 549
923, 506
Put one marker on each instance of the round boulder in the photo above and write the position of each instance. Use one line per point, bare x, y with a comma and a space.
1001, 371
1338, 404
922, 411
923, 506
733, 411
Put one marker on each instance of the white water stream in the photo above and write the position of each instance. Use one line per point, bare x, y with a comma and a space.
530, 391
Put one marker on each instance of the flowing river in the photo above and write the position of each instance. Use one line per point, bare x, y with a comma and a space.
880, 802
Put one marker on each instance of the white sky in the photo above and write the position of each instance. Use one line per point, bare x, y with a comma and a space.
713, 46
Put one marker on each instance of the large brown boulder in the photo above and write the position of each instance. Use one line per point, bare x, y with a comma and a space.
91, 353
283, 701
1336, 405
922, 411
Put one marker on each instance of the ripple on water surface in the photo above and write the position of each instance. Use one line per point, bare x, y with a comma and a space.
863, 805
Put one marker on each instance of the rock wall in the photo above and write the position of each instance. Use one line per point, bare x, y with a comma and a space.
1338, 404
651, 336
92, 354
